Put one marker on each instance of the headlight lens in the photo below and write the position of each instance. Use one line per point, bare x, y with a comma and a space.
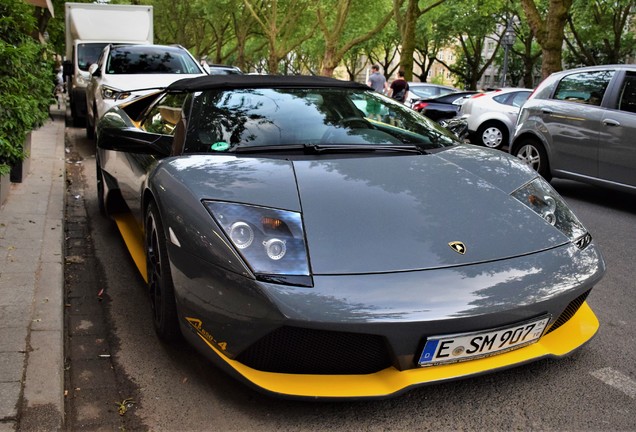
271, 241
114, 94
539, 196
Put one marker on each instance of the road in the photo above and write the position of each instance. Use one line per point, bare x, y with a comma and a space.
175, 388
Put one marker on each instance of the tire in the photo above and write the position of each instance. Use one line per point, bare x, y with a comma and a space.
77, 120
532, 152
161, 287
100, 187
90, 131
492, 135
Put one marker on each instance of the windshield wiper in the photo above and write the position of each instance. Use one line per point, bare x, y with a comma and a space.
331, 148
365, 148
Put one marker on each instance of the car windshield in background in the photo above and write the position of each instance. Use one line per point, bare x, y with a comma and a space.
149, 60
235, 120
88, 53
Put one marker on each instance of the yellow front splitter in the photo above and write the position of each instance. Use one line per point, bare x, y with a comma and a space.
561, 342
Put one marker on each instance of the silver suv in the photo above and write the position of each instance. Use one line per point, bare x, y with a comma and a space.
581, 124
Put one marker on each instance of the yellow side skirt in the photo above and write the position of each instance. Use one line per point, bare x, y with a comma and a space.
567, 338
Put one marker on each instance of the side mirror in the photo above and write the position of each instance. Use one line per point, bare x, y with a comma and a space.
93, 70
132, 140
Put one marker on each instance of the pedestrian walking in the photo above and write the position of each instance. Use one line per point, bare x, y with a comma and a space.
378, 83
377, 80
399, 87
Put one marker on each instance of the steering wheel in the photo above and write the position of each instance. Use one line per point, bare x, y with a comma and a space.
355, 123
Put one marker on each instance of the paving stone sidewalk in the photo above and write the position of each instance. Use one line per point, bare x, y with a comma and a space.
31, 288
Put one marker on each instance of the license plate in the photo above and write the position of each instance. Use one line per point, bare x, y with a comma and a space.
468, 346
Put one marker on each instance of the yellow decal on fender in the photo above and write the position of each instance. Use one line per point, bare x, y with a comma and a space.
197, 324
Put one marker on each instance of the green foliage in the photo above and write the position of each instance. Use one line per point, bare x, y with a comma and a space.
598, 32
27, 82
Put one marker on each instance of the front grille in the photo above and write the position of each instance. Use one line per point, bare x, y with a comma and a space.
569, 311
307, 351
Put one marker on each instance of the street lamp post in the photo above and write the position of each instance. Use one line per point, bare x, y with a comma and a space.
508, 40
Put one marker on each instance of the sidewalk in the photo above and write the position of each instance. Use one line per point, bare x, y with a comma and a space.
31, 289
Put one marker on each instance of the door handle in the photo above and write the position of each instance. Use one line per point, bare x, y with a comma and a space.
611, 122
547, 111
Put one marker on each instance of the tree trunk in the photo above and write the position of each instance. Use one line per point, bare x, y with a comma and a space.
328, 65
408, 39
549, 31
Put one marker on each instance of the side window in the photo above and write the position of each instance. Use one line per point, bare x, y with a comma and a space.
164, 116
520, 98
584, 87
627, 101
515, 99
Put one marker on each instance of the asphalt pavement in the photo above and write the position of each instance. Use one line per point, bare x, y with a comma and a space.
31, 288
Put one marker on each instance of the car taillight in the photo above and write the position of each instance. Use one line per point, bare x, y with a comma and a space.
418, 106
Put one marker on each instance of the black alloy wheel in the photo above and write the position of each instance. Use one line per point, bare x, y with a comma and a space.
161, 287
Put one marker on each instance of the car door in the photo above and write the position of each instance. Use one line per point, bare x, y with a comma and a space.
94, 84
617, 144
158, 124
513, 102
572, 118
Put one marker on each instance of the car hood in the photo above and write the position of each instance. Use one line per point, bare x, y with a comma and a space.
385, 214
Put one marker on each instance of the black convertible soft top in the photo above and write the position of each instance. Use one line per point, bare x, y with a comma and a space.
259, 81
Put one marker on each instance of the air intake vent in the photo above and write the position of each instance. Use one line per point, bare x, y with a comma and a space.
569, 311
307, 351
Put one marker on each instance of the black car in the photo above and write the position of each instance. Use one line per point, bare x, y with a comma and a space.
442, 107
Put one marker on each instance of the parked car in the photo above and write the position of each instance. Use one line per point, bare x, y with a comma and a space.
442, 107
423, 90
126, 71
220, 69
581, 124
316, 252
491, 116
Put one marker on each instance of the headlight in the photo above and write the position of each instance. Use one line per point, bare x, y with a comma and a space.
271, 241
539, 196
115, 94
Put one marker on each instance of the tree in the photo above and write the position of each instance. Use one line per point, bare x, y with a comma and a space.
340, 18
384, 49
244, 27
598, 32
549, 31
352, 62
525, 50
185, 25
475, 50
406, 18
283, 25
427, 43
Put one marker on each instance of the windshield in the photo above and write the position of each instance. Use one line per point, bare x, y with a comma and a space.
145, 59
236, 120
428, 91
88, 53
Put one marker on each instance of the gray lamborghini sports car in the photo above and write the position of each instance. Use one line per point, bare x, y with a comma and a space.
319, 240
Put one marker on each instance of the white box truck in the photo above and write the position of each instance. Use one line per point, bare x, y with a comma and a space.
89, 28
